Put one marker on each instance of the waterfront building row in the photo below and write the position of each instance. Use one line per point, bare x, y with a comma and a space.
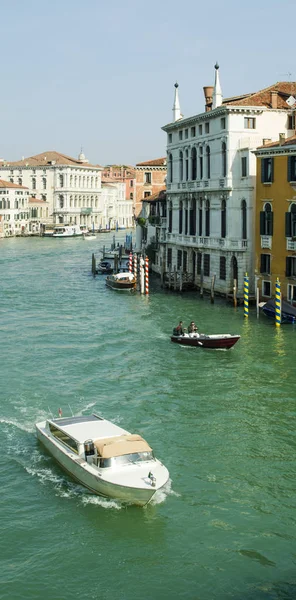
208, 224
63, 190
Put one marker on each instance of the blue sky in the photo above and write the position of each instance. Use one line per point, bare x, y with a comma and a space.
101, 74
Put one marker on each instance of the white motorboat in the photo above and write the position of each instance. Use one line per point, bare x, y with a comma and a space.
89, 236
124, 281
103, 457
63, 231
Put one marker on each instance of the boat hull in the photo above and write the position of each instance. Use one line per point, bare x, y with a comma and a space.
91, 478
225, 341
286, 317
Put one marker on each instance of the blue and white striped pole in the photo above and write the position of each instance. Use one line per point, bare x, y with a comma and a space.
278, 303
246, 295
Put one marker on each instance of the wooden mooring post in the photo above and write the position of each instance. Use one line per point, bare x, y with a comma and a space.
201, 283
180, 279
115, 263
93, 265
235, 293
175, 278
213, 289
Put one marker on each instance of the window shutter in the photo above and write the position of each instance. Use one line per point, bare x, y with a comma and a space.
271, 223
262, 223
289, 168
288, 225
288, 266
262, 170
262, 263
272, 169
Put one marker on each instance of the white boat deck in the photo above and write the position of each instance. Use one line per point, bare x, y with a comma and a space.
92, 427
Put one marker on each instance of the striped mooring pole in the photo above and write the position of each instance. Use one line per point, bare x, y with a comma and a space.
147, 275
278, 302
135, 266
130, 263
246, 295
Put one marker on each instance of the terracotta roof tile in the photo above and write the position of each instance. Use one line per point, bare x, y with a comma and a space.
291, 141
46, 158
8, 184
284, 89
157, 162
157, 196
34, 200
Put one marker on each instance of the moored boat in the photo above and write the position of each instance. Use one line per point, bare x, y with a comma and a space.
104, 266
201, 340
288, 311
121, 281
103, 457
89, 236
63, 231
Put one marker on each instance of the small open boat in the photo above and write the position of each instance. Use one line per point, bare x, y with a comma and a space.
89, 236
103, 457
104, 266
201, 340
121, 281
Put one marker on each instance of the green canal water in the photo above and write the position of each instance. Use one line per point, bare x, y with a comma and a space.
223, 422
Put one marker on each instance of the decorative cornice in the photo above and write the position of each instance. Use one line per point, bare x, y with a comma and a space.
280, 151
212, 114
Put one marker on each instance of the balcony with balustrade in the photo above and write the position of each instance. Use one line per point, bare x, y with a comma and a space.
201, 185
211, 243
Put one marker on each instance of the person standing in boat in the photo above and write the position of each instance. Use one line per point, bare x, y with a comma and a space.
179, 330
192, 328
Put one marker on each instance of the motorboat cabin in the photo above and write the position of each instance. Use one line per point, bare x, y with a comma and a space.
105, 458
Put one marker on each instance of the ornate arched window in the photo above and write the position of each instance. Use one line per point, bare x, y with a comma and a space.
201, 162
193, 163
200, 218
223, 219
181, 166
170, 220
207, 232
208, 155
170, 165
266, 220
224, 160
291, 221
244, 219
186, 165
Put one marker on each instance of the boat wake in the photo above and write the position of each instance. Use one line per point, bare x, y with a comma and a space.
161, 495
29, 428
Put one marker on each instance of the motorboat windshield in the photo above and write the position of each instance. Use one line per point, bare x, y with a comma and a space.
126, 459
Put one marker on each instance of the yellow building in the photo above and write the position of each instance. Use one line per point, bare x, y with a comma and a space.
275, 225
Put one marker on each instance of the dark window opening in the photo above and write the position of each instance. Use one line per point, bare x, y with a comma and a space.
223, 267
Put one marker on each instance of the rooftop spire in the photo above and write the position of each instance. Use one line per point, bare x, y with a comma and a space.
217, 94
176, 108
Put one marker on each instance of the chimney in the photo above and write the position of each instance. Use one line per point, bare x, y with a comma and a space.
273, 99
282, 138
208, 92
266, 141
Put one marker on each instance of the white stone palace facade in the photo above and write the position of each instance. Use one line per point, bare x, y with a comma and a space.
211, 182
70, 188
14, 209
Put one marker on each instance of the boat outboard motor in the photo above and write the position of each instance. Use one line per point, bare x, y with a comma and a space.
89, 451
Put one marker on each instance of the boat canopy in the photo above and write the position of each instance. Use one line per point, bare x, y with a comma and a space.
286, 307
120, 445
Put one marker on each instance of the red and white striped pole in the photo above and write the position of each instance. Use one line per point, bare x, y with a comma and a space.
147, 275
135, 266
130, 263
